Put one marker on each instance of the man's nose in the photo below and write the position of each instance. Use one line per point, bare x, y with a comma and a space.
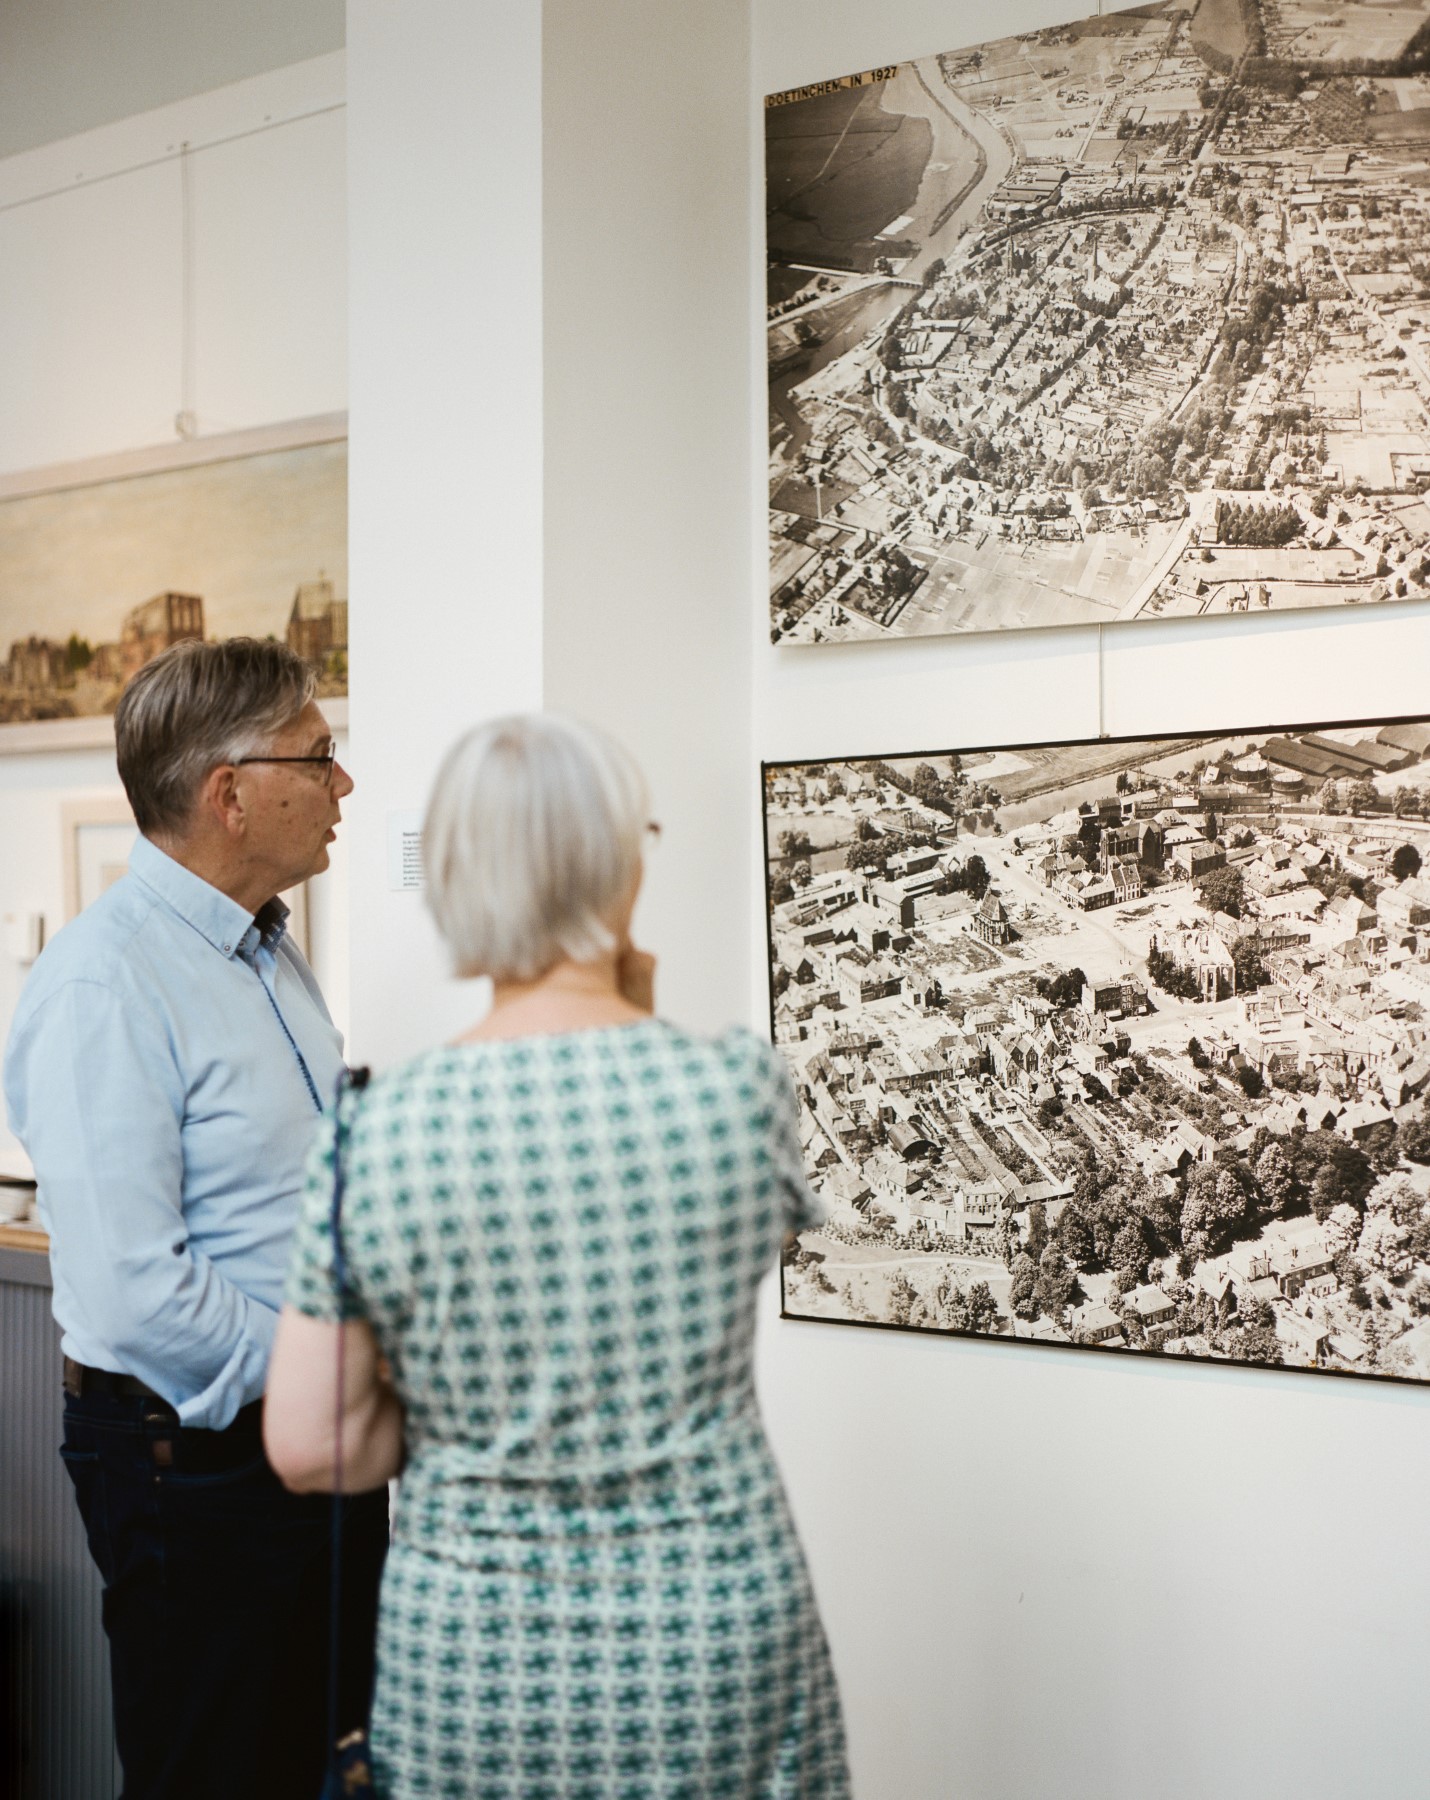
342, 783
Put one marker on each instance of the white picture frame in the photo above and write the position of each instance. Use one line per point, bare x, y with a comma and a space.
97, 837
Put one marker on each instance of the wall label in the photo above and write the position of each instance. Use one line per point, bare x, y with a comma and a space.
405, 873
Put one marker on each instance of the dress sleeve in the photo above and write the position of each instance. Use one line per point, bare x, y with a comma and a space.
312, 1283
803, 1207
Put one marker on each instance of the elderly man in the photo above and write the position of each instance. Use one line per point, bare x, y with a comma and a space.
169, 1059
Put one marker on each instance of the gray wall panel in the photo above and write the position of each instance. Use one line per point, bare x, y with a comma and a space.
56, 1734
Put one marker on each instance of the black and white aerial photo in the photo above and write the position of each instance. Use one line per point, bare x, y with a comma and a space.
1122, 1044
1123, 319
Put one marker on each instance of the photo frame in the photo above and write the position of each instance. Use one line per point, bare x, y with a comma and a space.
97, 835
1121, 318
106, 561
1115, 1044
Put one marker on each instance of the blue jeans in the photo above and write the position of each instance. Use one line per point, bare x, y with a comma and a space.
216, 1584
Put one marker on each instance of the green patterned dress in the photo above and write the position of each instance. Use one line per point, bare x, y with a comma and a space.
595, 1590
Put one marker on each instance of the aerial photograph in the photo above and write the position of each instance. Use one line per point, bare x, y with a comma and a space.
1123, 319
1121, 1044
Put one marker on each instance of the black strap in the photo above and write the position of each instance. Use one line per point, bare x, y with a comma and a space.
80, 1380
356, 1080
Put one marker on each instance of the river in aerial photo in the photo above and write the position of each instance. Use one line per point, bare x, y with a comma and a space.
900, 168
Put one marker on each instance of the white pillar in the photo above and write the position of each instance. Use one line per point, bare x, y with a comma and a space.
649, 436
444, 144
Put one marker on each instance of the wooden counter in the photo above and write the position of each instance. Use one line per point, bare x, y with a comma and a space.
24, 1237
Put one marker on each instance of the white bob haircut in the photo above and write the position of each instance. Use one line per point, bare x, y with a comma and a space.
532, 840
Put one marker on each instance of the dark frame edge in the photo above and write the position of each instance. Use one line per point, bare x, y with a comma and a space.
1374, 1377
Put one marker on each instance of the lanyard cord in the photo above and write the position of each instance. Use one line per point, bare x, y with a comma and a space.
357, 1080
292, 1041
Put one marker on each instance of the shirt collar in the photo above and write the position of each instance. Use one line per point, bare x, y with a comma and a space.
224, 923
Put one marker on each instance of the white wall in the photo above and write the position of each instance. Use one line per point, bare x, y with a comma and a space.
94, 261
647, 423
93, 264
538, 315
1049, 1575
32, 791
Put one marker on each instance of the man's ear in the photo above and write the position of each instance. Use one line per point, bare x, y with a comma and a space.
221, 800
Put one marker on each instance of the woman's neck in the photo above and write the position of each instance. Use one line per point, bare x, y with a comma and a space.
570, 996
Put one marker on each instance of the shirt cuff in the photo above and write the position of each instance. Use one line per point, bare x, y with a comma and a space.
241, 1379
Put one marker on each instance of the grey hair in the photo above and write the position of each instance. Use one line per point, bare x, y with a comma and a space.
195, 706
533, 836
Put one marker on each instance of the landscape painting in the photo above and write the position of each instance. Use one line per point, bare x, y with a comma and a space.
1121, 1044
98, 577
1123, 319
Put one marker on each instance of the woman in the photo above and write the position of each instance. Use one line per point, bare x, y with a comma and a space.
555, 1228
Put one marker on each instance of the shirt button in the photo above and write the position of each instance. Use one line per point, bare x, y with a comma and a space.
226, 948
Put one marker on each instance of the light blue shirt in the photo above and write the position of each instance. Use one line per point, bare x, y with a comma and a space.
167, 1066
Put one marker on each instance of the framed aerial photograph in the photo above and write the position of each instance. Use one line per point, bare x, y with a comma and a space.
104, 564
1123, 319
1121, 1044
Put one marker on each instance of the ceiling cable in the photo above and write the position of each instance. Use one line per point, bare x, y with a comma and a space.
185, 424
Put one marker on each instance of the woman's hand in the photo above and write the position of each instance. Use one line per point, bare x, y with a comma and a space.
635, 975
300, 1407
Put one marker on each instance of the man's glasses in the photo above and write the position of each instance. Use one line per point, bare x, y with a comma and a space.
323, 763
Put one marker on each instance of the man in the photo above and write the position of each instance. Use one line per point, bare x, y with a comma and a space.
169, 1059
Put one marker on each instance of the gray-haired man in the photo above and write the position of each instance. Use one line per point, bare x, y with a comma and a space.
169, 1059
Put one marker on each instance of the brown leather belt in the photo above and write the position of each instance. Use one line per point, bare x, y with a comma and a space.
81, 1380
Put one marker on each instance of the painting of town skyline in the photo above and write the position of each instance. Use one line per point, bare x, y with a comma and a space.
1123, 319
97, 578
1122, 1044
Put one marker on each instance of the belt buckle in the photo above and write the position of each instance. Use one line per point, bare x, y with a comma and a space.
160, 1448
